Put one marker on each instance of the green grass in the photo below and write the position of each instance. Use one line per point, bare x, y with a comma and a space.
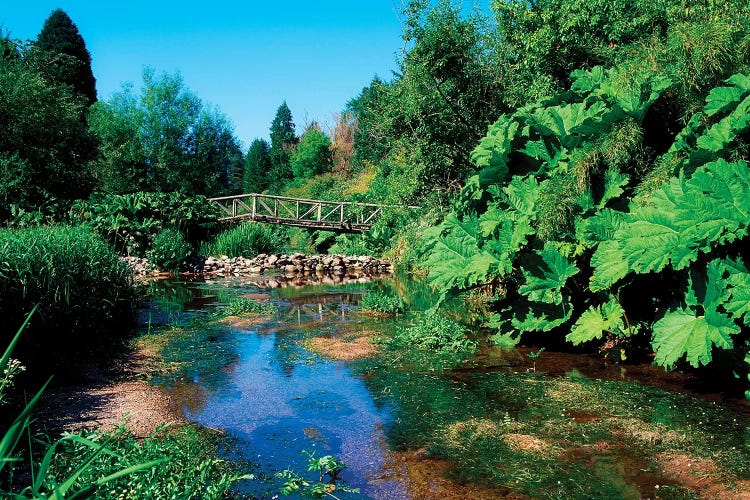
192, 469
83, 290
248, 239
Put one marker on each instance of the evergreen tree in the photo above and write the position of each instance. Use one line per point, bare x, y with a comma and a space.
257, 167
69, 60
283, 140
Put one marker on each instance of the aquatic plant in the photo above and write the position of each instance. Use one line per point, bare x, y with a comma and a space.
433, 332
381, 303
328, 468
243, 305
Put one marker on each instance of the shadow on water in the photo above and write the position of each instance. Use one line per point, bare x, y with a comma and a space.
409, 425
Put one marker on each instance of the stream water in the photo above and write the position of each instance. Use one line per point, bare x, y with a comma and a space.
394, 420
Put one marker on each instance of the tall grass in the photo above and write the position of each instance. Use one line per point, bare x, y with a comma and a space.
82, 288
246, 240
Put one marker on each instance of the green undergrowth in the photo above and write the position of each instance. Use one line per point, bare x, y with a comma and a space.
191, 471
380, 302
565, 437
241, 305
433, 332
83, 290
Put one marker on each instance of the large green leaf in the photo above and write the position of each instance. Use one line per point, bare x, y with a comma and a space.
686, 217
455, 260
735, 298
683, 333
597, 320
545, 277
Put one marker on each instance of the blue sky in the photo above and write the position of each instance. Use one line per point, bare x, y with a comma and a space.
245, 57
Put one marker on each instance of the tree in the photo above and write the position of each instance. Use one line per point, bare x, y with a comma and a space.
45, 148
166, 139
283, 140
342, 144
121, 167
257, 167
372, 136
69, 62
313, 154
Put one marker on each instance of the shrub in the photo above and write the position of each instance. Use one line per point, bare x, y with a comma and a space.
434, 332
381, 303
81, 285
246, 240
130, 222
169, 250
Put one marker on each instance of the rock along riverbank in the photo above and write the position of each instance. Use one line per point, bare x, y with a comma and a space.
288, 265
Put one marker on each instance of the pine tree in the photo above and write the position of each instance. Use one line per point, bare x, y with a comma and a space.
283, 140
69, 60
257, 167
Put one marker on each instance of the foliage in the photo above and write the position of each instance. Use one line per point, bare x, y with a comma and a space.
165, 139
257, 167
67, 60
45, 148
434, 332
547, 215
328, 468
81, 285
243, 305
381, 303
169, 250
312, 155
247, 239
129, 222
191, 469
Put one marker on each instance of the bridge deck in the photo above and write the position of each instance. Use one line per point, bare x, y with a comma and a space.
340, 216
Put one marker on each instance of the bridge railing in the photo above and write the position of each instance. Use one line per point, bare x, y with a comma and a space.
300, 211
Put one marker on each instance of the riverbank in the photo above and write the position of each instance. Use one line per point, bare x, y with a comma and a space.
288, 265
107, 399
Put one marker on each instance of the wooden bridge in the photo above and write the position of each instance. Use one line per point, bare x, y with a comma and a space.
339, 216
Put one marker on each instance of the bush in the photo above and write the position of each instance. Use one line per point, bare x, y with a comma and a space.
381, 303
130, 222
80, 284
169, 250
246, 240
434, 332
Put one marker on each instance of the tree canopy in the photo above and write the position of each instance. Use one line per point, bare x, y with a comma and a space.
165, 139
